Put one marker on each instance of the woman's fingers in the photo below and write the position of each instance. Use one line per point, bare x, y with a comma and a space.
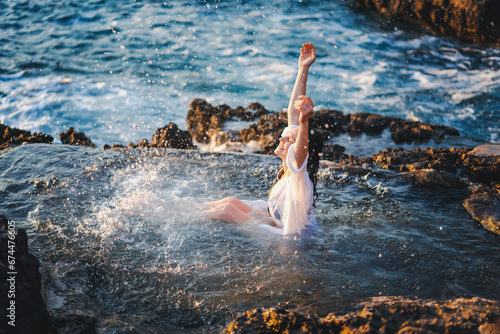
307, 99
308, 47
303, 106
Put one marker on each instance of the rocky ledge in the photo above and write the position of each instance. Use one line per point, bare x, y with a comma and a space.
379, 315
20, 285
471, 21
170, 136
13, 137
429, 167
206, 123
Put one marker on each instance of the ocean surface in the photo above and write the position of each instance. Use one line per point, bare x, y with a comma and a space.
119, 235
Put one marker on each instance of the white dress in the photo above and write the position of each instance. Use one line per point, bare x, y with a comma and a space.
290, 202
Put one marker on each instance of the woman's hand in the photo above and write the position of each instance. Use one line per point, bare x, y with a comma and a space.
307, 55
305, 105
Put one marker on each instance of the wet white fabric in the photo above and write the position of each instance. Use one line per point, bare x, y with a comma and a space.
288, 129
291, 200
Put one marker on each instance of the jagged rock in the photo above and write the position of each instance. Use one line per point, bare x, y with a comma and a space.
472, 21
31, 315
484, 206
200, 120
172, 137
333, 152
379, 315
205, 123
483, 164
437, 179
411, 160
71, 137
14, 137
368, 123
438, 167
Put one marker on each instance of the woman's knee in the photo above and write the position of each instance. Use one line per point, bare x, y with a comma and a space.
232, 213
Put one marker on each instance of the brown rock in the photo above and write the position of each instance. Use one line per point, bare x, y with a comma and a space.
172, 137
436, 179
71, 137
368, 123
484, 206
204, 123
14, 137
378, 315
472, 21
483, 164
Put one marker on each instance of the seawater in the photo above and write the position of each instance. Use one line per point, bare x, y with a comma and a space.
120, 236
118, 70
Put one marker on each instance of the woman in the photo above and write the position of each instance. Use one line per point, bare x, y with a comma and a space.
291, 198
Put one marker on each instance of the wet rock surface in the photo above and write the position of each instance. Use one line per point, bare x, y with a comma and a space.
206, 122
30, 312
477, 168
14, 137
484, 206
379, 315
472, 21
71, 137
170, 136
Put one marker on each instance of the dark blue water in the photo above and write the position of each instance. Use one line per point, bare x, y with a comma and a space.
119, 235
117, 70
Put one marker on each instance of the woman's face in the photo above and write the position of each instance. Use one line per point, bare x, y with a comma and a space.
284, 145
288, 138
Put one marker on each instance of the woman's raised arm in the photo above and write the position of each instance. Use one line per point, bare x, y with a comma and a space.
305, 107
306, 59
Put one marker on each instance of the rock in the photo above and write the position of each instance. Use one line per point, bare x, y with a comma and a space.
398, 159
14, 137
200, 120
31, 315
71, 137
368, 123
483, 164
172, 137
205, 121
436, 179
472, 21
484, 206
379, 315
333, 121
487, 150
75, 322
333, 152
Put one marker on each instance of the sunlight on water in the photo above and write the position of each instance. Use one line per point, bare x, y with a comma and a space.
119, 72
122, 232
121, 235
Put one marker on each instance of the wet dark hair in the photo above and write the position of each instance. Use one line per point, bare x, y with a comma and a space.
315, 148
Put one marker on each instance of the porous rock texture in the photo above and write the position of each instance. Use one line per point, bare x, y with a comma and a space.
379, 315
205, 123
484, 206
170, 136
471, 21
71, 137
14, 137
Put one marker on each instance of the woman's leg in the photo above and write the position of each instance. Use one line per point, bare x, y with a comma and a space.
227, 212
233, 201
